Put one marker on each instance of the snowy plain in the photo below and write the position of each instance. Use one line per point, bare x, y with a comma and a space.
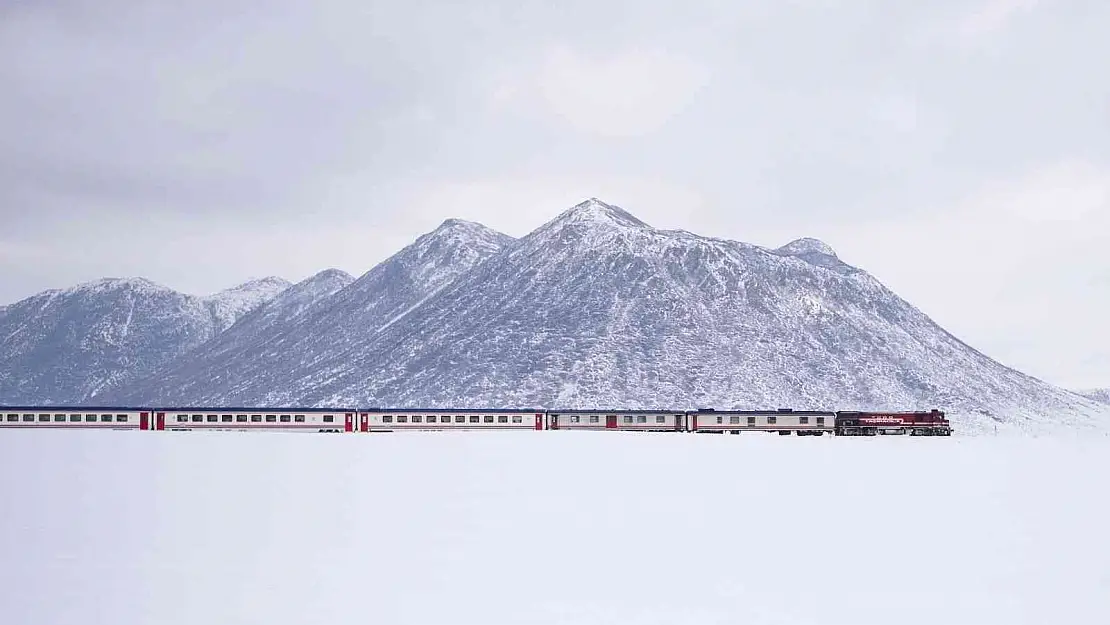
552, 528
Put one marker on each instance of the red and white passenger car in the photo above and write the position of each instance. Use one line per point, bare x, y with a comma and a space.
398, 419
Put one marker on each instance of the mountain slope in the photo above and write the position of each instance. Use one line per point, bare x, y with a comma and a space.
280, 361
1097, 394
229, 305
598, 309
74, 345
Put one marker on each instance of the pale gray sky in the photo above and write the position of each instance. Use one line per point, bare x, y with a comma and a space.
958, 150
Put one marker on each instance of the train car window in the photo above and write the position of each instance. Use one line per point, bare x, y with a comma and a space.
44, 417
182, 418
197, 418
503, 418
256, 418
751, 420
13, 417
417, 418
402, 419
60, 418
475, 418
772, 420
28, 417
329, 418
298, 418
460, 419
574, 418
227, 418
90, 418
121, 418
487, 419
517, 419
106, 418
660, 419
732, 420
271, 418
213, 418
595, 419
820, 420
803, 420
641, 419
240, 418
74, 417
285, 418
628, 419
720, 420
387, 419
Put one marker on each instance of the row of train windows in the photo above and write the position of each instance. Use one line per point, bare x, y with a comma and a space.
627, 419
73, 418
242, 418
770, 420
447, 419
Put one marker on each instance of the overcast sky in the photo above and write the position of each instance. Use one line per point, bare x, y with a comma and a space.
957, 150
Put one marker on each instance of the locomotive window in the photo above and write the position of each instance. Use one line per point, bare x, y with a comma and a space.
60, 417
299, 418
460, 419
803, 420
387, 419
285, 418
227, 418
402, 419
271, 418
503, 418
256, 418
329, 418
240, 418
517, 419
121, 418
213, 418
197, 418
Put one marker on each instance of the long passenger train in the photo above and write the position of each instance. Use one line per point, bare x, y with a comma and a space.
783, 421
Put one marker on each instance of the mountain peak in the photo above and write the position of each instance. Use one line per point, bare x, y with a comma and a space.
594, 211
805, 246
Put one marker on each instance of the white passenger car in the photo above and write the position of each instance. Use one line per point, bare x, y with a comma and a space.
634, 420
783, 421
398, 419
58, 417
246, 419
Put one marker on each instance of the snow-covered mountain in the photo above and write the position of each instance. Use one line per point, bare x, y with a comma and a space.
598, 309
281, 356
1097, 394
74, 345
230, 304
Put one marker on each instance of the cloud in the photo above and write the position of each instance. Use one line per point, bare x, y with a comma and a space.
627, 93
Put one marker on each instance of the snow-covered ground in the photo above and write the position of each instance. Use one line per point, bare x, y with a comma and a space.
552, 528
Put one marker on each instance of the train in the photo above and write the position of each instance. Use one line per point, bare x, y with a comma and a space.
783, 421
